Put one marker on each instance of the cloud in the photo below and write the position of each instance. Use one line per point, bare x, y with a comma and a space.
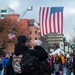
14, 4
69, 10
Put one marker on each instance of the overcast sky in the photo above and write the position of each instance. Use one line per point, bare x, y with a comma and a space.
19, 6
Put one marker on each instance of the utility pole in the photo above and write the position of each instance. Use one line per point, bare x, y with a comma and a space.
68, 47
64, 43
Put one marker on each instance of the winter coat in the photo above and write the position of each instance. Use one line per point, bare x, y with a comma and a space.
69, 63
62, 59
5, 61
74, 62
57, 67
51, 61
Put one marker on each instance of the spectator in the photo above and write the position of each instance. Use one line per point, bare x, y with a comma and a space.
21, 48
0, 65
74, 63
69, 65
5, 60
51, 64
57, 65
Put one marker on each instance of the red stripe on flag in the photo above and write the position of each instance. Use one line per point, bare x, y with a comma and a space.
43, 20
39, 14
54, 23
58, 22
50, 24
46, 20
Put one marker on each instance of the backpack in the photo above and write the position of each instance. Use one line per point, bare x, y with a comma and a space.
27, 64
46, 67
16, 63
31, 64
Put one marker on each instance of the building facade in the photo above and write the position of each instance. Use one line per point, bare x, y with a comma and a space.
33, 30
52, 41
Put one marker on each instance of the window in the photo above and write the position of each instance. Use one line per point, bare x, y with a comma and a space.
30, 38
30, 32
36, 38
31, 23
2, 11
35, 32
2, 15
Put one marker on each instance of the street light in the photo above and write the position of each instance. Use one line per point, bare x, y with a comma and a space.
28, 9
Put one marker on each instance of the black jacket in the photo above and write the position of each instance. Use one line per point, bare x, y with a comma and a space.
74, 61
38, 52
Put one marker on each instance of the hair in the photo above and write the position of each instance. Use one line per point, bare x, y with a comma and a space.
20, 43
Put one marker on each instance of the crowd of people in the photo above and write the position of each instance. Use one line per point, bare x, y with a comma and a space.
60, 62
29, 58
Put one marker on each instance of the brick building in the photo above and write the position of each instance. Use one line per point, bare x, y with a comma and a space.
23, 24
13, 16
33, 33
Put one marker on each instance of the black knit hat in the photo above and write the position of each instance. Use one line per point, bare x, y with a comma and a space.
22, 38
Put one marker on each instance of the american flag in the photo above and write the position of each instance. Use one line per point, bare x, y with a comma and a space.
11, 35
51, 20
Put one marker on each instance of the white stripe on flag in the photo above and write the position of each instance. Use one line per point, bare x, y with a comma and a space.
48, 26
60, 21
52, 26
56, 20
44, 21
41, 22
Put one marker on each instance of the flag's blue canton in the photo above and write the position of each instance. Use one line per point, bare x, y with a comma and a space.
12, 33
56, 9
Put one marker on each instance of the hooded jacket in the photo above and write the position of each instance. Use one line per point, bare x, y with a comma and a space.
38, 52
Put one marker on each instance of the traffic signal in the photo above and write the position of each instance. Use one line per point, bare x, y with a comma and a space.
57, 44
65, 44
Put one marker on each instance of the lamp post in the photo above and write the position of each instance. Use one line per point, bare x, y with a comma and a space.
28, 9
64, 43
73, 47
18, 20
68, 47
